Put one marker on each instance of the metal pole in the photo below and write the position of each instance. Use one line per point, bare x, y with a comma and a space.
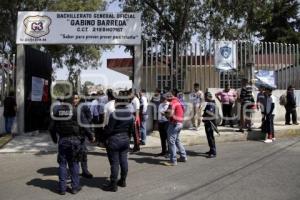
138, 66
20, 88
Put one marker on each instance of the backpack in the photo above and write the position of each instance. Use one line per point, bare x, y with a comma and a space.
282, 100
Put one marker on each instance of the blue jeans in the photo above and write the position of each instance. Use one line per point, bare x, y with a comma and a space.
9, 121
174, 141
144, 128
66, 159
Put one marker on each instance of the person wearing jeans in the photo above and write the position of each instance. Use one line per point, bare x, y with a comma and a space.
143, 116
175, 116
10, 108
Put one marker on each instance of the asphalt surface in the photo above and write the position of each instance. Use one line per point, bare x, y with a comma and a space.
242, 170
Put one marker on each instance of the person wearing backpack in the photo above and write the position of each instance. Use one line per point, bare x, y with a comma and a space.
290, 106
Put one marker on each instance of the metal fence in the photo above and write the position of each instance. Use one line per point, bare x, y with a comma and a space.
171, 65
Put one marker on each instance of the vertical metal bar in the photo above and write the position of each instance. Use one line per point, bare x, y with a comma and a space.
181, 68
167, 68
201, 67
192, 66
205, 68
293, 56
172, 65
211, 75
274, 58
281, 66
290, 64
297, 68
277, 65
156, 66
196, 64
241, 57
161, 67
151, 67
187, 74
176, 66
269, 54
146, 67
285, 64
253, 55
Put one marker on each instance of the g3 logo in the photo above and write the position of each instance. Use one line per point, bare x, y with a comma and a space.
37, 26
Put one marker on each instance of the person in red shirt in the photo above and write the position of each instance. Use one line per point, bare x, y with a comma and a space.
175, 114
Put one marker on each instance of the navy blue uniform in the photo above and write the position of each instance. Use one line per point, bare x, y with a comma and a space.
118, 130
65, 125
209, 119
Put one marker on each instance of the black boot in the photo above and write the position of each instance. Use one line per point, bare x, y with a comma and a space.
122, 182
111, 186
85, 171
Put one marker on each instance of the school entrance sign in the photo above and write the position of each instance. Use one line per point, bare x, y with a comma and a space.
79, 28
75, 28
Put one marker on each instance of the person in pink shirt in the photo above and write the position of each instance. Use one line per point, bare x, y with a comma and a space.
227, 98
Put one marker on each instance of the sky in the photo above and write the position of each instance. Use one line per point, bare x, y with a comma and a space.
103, 75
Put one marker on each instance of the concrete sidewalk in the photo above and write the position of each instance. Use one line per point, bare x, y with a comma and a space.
41, 142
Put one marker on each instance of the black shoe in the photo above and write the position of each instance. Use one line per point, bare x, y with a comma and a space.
75, 190
240, 130
296, 123
122, 183
143, 143
288, 124
207, 153
211, 156
87, 175
111, 187
135, 149
61, 192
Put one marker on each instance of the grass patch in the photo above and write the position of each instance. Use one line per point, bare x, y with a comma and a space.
4, 140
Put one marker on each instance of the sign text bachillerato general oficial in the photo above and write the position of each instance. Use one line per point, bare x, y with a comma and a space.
79, 28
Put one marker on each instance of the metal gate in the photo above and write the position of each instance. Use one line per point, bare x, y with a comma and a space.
172, 65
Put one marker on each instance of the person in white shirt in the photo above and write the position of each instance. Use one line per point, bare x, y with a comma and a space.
197, 99
109, 107
143, 116
163, 123
268, 112
135, 107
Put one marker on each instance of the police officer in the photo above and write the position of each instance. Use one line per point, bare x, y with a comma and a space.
120, 125
209, 119
64, 124
85, 128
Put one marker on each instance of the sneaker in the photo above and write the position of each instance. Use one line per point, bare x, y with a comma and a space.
296, 123
169, 163
182, 159
273, 139
268, 141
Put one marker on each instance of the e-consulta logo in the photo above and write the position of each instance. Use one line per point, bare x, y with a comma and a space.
37, 26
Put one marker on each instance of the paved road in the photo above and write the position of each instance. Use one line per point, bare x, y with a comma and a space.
242, 171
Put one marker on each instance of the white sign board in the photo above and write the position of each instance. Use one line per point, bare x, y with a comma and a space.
37, 86
265, 78
225, 55
79, 28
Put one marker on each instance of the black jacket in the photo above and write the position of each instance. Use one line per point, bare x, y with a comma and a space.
65, 124
120, 121
290, 100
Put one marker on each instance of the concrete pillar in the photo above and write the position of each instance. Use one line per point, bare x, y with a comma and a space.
138, 64
20, 88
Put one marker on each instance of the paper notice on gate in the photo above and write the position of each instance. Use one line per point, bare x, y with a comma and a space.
225, 55
37, 86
